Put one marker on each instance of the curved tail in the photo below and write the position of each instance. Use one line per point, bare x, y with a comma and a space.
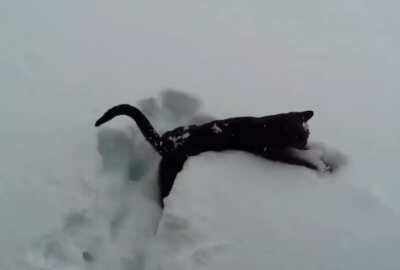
143, 123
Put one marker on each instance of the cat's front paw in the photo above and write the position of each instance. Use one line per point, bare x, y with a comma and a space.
327, 168
330, 160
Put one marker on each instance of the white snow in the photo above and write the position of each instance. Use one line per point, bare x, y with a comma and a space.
236, 211
305, 126
76, 197
179, 140
216, 129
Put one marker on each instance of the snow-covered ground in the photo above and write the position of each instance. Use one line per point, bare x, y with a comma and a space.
234, 211
73, 197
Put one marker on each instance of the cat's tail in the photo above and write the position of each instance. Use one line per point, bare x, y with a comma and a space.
141, 120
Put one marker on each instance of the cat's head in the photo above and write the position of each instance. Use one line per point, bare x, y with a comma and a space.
289, 129
295, 129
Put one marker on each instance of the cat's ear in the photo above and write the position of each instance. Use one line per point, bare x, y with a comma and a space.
306, 115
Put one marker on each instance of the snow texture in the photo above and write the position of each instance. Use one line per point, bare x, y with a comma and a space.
226, 211
281, 217
114, 228
216, 129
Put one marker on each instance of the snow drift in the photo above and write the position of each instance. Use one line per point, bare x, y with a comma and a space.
226, 211
236, 211
117, 211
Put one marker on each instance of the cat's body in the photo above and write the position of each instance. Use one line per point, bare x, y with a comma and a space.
277, 137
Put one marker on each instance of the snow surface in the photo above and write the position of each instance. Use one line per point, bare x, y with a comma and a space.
74, 197
235, 211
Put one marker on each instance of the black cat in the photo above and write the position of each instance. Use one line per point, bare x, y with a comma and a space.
280, 137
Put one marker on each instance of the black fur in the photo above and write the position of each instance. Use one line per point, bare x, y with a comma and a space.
272, 137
